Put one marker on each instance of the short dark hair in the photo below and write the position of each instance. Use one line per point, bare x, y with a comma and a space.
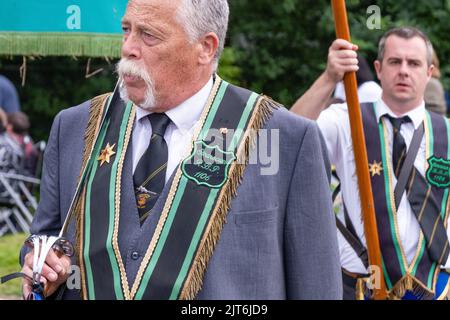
405, 33
19, 122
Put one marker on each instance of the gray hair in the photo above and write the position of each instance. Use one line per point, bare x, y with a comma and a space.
405, 33
198, 17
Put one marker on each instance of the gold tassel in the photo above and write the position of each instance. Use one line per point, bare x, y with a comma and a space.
194, 281
409, 283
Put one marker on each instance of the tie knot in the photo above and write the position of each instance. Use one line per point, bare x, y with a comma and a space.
159, 122
397, 122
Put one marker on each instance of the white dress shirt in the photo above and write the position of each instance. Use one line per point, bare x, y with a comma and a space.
335, 127
179, 133
369, 91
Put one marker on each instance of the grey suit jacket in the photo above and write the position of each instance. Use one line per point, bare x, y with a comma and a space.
279, 241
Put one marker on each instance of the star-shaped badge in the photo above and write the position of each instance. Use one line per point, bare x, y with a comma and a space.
375, 168
105, 154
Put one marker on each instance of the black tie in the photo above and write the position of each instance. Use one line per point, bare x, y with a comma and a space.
399, 145
421, 199
150, 174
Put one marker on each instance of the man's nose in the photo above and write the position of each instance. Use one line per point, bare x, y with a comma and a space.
131, 46
404, 69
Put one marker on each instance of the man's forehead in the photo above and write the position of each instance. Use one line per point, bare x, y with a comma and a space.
139, 6
149, 11
413, 48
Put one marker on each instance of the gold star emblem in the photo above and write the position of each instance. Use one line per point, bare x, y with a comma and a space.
105, 154
375, 168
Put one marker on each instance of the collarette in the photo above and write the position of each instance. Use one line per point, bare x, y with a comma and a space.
186, 114
417, 115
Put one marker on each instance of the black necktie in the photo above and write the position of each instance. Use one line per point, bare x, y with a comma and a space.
421, 199
150, 173
399, 145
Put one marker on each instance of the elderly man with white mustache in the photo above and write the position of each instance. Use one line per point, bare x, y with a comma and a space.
154, 187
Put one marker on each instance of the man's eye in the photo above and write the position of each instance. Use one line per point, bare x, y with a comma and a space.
149, 38
147, 35
126, 30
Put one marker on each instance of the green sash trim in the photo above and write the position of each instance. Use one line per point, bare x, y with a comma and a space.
194, 211
120, 149
390, 196
420, 275
87, 240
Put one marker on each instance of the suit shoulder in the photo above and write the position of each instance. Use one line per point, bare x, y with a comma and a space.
289, 123
81, 111
76, 118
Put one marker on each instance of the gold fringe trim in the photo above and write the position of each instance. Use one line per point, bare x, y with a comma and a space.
115, 238
79, 208
92, 129
407, 283
194, 281
172, 192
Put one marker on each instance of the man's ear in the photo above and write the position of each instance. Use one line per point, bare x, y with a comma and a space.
377, 65
430, 71
209, 44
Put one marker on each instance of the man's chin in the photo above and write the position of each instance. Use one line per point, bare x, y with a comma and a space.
137, 99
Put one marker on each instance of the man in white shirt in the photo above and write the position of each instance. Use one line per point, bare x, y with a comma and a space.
413, 250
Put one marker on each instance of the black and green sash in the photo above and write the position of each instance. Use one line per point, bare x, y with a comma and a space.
419, 276
194, 211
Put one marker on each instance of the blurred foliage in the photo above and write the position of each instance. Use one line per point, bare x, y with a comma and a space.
283, 45
276, 48
56, 83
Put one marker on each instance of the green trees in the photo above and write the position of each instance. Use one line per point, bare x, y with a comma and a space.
283, 45
274, 47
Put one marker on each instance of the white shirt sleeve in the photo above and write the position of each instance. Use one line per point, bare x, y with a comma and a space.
335, 127
332, 122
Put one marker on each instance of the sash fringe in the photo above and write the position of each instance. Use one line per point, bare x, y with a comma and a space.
264, 110
407, 283
93, 127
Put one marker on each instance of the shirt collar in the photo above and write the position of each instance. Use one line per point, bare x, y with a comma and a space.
186, 114
417, 115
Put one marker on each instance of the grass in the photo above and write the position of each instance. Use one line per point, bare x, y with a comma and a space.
9, 262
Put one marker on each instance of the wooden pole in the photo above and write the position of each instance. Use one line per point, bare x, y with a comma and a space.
360, 153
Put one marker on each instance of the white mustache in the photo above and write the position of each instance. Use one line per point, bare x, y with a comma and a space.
129, 67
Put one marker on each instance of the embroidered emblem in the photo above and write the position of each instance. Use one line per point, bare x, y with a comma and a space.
105, 154
438, 173
208, 165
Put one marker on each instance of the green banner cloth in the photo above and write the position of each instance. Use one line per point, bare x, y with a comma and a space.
61, 27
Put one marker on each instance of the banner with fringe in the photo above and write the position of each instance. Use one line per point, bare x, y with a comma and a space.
61, 27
